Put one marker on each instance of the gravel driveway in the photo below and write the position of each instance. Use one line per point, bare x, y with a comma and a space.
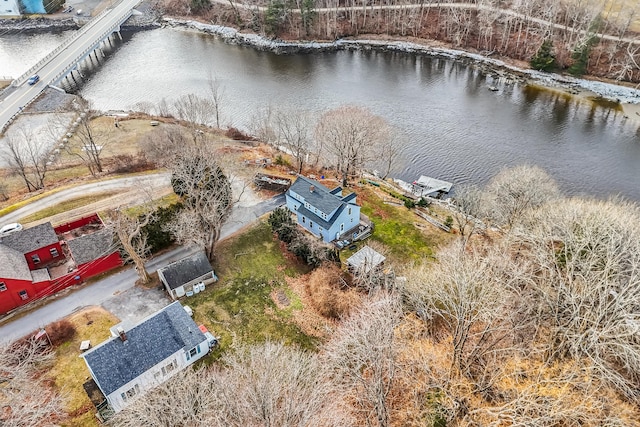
136, 303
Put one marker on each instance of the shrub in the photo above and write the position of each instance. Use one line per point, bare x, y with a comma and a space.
281, 161
423, 203
282, 224
126, 163
324, 289
60, 332
408, 203
157, 236
237, 135
448, 222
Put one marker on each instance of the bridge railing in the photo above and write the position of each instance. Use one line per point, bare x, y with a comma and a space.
104, 35
76, 34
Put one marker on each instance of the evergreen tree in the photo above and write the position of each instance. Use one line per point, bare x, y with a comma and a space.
544, 59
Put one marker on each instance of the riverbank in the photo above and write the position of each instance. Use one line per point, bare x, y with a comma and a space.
628, 98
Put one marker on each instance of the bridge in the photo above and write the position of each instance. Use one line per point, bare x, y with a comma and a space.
63, 60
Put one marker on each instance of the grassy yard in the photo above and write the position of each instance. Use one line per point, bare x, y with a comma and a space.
395, 229
239, 307
70, 371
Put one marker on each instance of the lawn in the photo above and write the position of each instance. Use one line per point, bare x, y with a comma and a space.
239, 308
395, 229
70, 371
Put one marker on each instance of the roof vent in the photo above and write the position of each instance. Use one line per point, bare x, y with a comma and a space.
312, 188
123, 336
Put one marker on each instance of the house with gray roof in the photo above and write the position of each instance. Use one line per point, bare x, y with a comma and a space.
187, 276
41, 260
323, 212
39, 244
145, 355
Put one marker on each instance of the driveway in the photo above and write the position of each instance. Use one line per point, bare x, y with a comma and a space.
130, 185
108, 291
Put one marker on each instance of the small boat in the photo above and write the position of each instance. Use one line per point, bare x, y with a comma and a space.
492, 88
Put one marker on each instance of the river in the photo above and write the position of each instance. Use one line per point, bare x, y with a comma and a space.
453, 127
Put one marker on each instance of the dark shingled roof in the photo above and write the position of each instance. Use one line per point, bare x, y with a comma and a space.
114, 363
30, 239
321, 198
91, 246
185, 270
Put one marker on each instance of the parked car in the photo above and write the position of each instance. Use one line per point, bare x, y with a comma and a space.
10, 228
33, 79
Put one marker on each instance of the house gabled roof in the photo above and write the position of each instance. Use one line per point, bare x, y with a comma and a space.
114, 363
31, 239
13, 265
185, 270
320, 198
91, 246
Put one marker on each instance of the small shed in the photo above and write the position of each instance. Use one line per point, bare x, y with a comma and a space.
365, 260
187, 276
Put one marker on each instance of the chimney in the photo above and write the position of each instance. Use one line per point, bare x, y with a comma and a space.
123, 336
312, 188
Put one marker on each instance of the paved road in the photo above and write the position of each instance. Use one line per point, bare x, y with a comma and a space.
149, 182
99, 292
50, 68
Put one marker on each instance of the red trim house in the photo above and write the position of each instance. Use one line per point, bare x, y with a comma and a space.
42, 260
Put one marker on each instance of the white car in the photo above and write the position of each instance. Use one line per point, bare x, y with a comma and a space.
10, 228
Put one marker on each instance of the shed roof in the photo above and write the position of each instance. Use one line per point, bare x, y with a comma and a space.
186, 269
114, 363
366, 259
40, 275
31, 239
91, 246
320, 198
13, 264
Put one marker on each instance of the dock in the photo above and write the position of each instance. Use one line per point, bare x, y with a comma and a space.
425, 186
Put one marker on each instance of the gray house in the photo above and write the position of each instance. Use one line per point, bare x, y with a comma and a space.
145, 355
187, 276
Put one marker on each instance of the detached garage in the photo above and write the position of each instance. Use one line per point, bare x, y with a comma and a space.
187, 276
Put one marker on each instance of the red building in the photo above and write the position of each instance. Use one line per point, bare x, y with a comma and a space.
42, 260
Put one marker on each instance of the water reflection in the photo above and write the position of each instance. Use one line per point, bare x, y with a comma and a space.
455, 128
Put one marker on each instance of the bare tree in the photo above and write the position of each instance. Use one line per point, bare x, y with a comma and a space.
262, 385
216, 96
293, 130
27, 156
389, 154
25, 398
130, 231
518, 190
262, 125
161, 144
469, 293
195, 111
207, 196
352, 136
469, 209
363, 358
90, 138
274, 385
587, 282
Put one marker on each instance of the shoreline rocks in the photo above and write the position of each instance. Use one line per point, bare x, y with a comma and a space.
495, 67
